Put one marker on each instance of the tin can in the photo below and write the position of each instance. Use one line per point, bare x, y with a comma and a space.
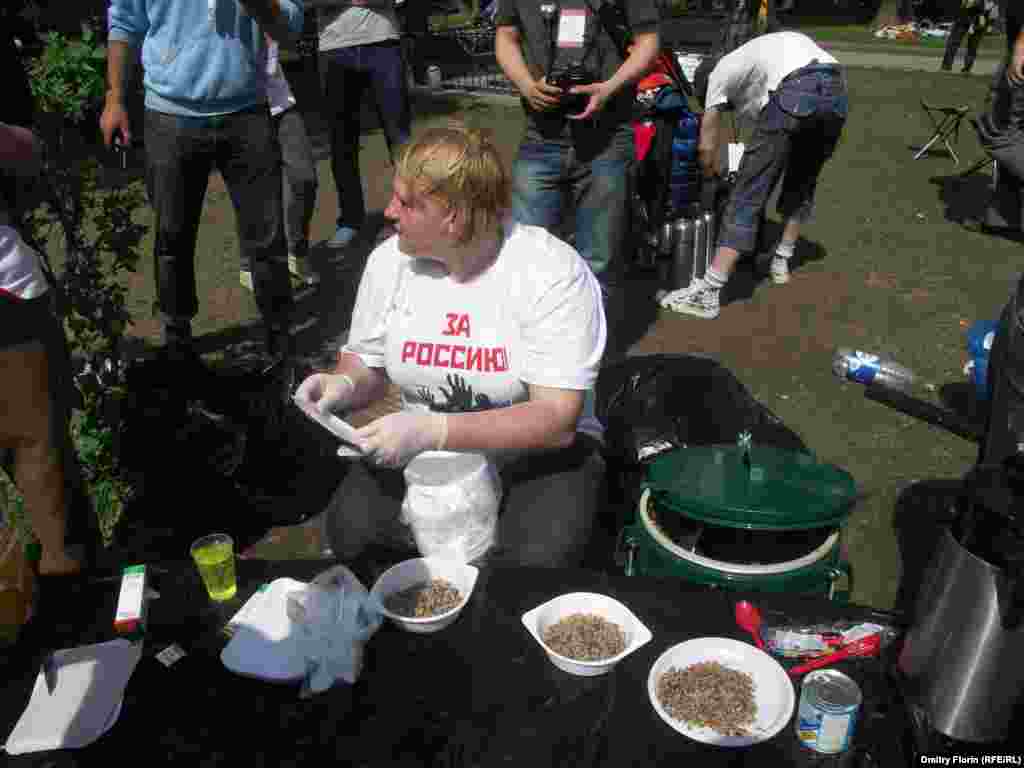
829, 704
434, 76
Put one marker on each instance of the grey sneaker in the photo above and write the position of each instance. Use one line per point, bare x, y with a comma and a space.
301, 268
780, 270
245, 278
697, 299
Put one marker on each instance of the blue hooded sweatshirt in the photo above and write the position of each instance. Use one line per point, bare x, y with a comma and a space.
200, 57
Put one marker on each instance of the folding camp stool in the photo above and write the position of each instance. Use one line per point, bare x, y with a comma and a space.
946, 121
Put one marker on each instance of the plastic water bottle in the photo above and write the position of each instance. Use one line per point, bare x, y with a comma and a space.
868, 368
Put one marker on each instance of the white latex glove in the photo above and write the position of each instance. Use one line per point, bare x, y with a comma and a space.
326, 392
393, 440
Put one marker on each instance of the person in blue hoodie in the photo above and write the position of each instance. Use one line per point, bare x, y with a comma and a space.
204, 64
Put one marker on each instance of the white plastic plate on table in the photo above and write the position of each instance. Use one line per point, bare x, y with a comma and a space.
543, 616
265, 641
773, 691
333, 424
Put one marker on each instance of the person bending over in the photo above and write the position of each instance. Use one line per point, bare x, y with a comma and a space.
796, 93
493, 331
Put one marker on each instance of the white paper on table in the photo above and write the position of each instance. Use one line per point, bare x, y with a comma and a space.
735, 155
265, 642
86, 700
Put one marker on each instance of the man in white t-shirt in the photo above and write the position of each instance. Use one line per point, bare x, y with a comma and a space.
494, 333
796, 94
360, 50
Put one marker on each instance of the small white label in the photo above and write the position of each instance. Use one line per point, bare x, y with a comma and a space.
171, 654
572, 26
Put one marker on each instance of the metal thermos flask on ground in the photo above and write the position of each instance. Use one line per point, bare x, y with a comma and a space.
684, 260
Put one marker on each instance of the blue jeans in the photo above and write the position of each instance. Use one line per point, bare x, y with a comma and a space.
349, 71
796, 132
592, 170
180, 154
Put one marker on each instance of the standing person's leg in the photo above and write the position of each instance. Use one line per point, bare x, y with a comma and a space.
300, 185
973, 41
249, 159
550, 504
29, 425
764, 159
538, 175
956, 35
601, 197
385, 67
344, 94
179, 157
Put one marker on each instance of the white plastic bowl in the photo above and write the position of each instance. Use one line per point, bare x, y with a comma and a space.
418, 570
543, 616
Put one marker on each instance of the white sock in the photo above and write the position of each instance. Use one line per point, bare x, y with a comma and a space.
714, 280
784, 250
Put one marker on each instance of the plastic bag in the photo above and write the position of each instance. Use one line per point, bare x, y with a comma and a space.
338, 616
451, 504
789, 638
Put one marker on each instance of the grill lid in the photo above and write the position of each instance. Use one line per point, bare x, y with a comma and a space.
777, 489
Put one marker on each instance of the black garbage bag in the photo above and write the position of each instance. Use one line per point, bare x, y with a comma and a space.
226, 450
653, 403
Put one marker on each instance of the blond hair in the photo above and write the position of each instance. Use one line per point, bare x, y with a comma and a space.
461, 166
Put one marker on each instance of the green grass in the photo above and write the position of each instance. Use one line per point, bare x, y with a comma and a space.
863, 38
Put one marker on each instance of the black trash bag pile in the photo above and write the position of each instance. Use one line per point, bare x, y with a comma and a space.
653, 403
226, 450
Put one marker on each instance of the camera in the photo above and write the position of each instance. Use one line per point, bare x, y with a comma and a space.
565, 77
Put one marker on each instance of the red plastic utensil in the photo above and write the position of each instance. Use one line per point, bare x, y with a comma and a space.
866, 646
749, 618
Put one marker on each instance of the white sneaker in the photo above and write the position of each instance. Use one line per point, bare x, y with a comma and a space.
780, 270
301, 268
245, 278
697, 299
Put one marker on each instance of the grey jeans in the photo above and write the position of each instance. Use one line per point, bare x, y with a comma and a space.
300, 181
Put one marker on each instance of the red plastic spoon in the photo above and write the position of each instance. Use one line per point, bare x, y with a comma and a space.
866, 646
749, 618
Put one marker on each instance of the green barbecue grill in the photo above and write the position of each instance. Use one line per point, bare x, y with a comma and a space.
751, 518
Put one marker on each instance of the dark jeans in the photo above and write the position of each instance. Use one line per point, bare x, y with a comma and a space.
349, 72
547, 510
592, 171
796, 132
956, 35
180, 154
300, 181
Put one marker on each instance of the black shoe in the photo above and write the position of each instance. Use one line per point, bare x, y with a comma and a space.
946, 67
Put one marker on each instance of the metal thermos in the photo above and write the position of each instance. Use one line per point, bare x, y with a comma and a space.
709, 241
700, 247
963, 657
683, 254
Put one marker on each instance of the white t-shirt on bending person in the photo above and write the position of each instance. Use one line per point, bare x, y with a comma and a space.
533, 317
745, 77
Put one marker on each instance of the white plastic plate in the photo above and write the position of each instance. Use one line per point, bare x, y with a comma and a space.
333, 424
773, 691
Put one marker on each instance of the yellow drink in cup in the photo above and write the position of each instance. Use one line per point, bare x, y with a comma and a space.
215, 558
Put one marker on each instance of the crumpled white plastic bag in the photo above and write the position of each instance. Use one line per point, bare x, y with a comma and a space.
451, 504
338, 617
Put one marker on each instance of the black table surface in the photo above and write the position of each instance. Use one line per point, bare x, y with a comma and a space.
480, 692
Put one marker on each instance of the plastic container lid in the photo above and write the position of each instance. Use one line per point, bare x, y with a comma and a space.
780, 490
